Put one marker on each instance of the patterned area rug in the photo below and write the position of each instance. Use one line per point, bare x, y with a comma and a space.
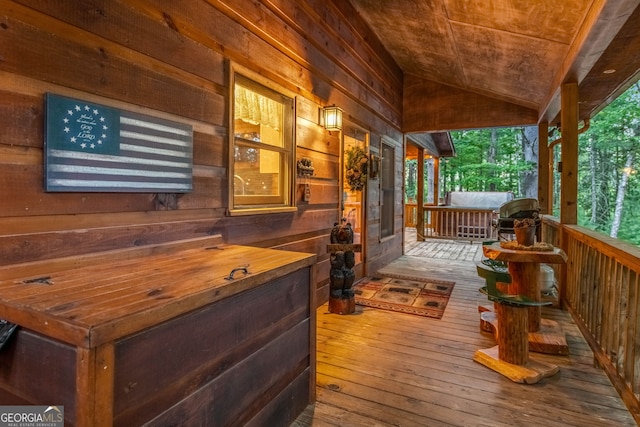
424, 297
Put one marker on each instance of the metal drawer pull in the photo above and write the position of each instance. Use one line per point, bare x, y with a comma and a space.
245, 270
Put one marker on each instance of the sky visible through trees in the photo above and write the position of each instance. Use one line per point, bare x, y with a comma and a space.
505, 159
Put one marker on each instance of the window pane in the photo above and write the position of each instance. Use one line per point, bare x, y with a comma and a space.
262, 146
257, 171
258, 118
387, 183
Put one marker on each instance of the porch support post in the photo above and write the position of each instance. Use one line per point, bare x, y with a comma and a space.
569, 174
543, 167
436, 181
420, 197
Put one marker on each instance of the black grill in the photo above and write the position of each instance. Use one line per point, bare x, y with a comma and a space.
513, 210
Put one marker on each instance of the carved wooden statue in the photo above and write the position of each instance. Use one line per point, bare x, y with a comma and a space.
341, 276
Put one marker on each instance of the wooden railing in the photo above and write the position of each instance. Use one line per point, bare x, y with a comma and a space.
600, 286
602, 292
410, 215
551, 230
457, 223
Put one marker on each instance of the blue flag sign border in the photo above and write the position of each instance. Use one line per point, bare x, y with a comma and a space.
90, 147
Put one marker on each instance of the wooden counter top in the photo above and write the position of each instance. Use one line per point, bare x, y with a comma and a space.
93, 299
497, 252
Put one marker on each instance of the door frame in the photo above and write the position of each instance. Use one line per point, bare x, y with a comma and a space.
351, 131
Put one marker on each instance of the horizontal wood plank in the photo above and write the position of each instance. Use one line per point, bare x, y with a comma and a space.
91, 299
378, 367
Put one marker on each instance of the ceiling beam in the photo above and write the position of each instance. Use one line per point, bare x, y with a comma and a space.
429, 106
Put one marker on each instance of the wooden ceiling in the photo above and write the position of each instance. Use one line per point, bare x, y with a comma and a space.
513, 52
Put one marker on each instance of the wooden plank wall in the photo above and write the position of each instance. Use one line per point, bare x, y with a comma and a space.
434, 107
170, 60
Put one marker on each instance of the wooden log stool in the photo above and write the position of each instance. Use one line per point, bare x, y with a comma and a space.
545, 335
511, 356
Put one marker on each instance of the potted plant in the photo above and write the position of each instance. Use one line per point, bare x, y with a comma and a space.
525, 230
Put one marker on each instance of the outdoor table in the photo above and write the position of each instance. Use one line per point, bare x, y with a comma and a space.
545, 335
517, 326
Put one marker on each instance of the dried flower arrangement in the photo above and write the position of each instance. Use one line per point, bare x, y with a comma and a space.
536, 247
524, 223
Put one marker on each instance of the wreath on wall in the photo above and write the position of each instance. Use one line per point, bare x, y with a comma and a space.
357, 162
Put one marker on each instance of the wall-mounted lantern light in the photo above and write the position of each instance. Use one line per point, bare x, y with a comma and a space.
332, 118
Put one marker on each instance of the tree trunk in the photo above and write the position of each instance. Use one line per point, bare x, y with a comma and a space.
624, 178
411, 181
428, 168
594, 186
491, 157
529, 178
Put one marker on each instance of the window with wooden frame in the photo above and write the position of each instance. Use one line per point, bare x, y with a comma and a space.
261, 150
387, 191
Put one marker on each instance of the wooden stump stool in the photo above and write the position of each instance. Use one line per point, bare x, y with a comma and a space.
545, 335
511, 356
513, 337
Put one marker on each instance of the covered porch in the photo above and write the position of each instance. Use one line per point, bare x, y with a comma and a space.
381, 368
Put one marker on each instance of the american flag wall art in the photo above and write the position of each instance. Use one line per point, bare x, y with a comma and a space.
94, 148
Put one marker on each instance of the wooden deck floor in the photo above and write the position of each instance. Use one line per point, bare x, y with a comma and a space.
380, 368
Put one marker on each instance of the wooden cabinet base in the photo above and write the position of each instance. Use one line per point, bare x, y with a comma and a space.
529, 373
161, 337
342, 305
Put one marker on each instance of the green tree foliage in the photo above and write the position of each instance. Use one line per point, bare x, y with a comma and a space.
493, 160
471, 169
606, 148
410, 177
411, 183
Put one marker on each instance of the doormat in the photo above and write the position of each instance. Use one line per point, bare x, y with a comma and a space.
424, 297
